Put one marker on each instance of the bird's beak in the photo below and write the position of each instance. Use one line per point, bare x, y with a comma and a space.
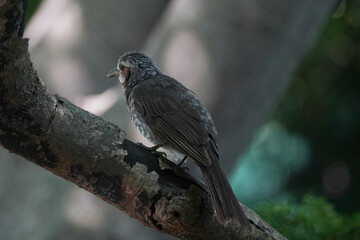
113, 73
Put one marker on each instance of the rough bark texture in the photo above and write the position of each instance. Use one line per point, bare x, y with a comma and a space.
80, 147
73, 43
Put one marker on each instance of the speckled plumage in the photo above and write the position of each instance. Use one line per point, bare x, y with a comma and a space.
153, 106
168, 113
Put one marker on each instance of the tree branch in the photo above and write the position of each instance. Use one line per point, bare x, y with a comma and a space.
51, 132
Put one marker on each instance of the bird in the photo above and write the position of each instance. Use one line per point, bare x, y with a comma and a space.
171, 116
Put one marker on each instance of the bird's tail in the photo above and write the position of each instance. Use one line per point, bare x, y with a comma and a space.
226, 204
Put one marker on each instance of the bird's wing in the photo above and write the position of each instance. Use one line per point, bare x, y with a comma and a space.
171, 114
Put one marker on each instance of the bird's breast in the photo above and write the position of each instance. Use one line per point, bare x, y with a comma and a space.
138, 119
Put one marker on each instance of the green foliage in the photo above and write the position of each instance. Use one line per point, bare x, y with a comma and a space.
313, 219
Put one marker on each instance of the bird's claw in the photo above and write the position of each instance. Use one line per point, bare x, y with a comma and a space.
185, 169
153, 150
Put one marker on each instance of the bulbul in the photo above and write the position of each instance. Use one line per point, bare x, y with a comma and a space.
171, 116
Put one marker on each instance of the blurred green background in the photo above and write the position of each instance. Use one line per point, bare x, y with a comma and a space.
313, 137
301, 171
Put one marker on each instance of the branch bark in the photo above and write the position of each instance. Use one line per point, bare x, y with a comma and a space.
53, 133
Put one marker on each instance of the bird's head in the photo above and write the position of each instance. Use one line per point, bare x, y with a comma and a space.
134, 67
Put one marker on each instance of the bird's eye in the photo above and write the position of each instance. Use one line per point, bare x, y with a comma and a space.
122, 67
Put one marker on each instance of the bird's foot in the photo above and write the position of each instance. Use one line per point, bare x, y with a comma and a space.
153, 149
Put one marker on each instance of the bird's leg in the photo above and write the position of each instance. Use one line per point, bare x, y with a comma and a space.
186, 169
182, 161
153, 149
